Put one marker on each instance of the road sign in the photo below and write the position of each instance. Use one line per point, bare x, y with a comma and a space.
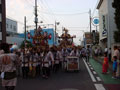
95, 21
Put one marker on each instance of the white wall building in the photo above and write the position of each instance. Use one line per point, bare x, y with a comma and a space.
11, 26
11, 30
107, 24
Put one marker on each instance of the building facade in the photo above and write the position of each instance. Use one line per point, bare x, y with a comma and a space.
12, 32
88, 40
2, 21
107, 24
11, 27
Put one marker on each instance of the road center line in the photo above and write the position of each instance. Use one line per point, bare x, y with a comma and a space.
90, 73
99, 87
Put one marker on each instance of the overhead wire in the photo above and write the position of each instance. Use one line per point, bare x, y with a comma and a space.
52, 13
92, 14
47, 8
40, 12
95, 8
63, 14
15, 20
29, 2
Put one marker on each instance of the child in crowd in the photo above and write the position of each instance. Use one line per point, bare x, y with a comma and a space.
105, 64
114, 66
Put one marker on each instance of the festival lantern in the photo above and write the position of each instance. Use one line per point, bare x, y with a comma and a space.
29, 35
50, 36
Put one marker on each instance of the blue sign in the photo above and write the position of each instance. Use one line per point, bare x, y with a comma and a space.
104, 33
95, 21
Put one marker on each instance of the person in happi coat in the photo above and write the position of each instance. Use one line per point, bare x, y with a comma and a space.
57, 59
8, 66
88, 53
64, 54
26, 65
105, 64
74, 52
60, 57
33, 63
38, 67
46, 63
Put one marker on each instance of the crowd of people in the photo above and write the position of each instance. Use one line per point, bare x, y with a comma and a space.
35, 62
42, 62
113, 58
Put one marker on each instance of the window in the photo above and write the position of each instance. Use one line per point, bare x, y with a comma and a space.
7, 25
11, 26
14, 28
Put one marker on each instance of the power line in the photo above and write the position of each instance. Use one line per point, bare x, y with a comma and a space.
51, 11
95, 8
30, 2
28, 19
76, 27
43, 17
42, 3
15, 20
48, 8
63, 14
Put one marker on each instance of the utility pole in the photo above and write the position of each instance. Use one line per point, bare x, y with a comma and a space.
36, 15
3, 20
25, 29
55, 33
56, 23
90, 21
90, 25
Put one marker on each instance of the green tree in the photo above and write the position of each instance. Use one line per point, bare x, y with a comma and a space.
116, 6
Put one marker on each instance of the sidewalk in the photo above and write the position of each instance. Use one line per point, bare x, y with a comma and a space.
100, 60
106, 78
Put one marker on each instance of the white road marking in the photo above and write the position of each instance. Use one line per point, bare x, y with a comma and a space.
99, 87
92, 68
90, 65
94, 72
90, 73
98, 78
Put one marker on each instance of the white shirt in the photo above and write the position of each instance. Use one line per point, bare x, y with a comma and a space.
48, 58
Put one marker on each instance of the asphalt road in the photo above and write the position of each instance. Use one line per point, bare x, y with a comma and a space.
60, 81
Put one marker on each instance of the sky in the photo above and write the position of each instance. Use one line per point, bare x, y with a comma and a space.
72, 14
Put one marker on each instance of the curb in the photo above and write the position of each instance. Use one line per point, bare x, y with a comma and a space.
99, 60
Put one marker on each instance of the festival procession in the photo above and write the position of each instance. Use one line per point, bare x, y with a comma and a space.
59, 45
40, 60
